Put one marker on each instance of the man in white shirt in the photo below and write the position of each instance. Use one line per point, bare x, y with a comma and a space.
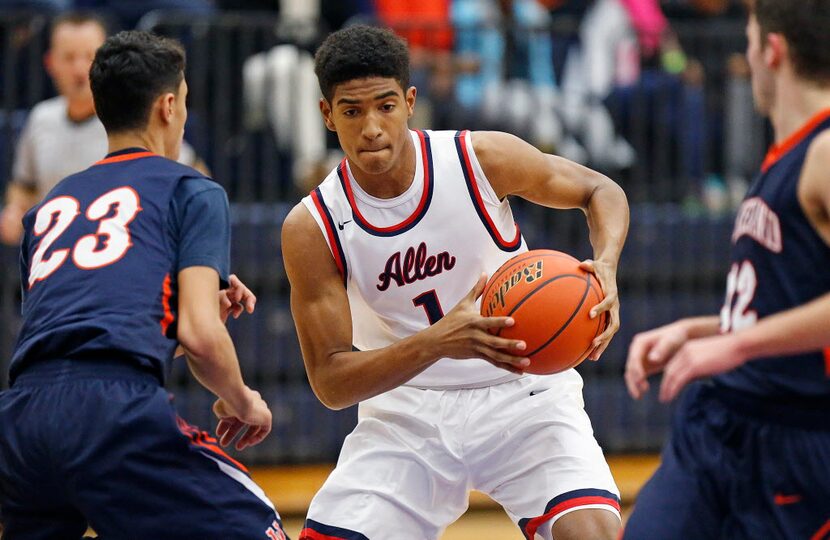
62, 135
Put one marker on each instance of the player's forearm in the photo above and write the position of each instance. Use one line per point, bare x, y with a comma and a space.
701, 327
607, 214
212, 360
799, 330
347, 378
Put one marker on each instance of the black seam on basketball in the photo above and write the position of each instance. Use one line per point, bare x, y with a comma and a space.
573, 314
534, 291
515, 260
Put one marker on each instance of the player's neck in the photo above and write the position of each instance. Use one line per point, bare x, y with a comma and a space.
80, 110
393, 182
796, 103
133, 139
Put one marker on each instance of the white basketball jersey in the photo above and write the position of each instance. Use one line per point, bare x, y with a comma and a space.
408, 260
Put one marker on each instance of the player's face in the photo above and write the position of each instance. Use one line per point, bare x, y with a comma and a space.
370, 117
763, 84
70, 57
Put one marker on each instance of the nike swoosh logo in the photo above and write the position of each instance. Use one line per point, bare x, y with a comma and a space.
343, 224
782, 500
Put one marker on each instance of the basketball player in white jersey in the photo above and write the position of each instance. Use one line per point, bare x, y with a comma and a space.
387, 259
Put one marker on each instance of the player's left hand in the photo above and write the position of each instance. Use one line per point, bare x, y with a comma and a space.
699, 358
235, 299
606, 274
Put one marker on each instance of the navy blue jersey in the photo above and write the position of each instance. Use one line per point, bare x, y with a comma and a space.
778, 262
100, 257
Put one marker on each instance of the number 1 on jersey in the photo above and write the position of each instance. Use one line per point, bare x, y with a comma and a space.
429, 301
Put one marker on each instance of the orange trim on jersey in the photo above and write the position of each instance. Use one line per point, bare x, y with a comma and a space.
204, 441
777, 151
347, 183
822, 533
480, 202
533, 525
125, 157
311, 534
166, 293
332, 235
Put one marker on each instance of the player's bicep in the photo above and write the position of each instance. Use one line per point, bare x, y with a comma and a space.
198, 310
319, 303
515, 167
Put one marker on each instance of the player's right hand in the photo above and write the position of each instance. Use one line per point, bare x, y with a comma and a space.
253, 416
648, 354
463, 333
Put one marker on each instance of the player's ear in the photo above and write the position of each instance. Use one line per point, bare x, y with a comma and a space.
167, 106
325, 110
775, 51
411, 94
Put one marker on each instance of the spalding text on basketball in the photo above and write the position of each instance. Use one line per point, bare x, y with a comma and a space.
529, 273
416, 265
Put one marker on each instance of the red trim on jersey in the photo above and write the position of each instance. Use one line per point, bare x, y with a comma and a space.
330, 233
125, 157
827, 361
533, 525
206, 442
347, 182
166, 293
480, 203
822, 533
311, 534
777, 151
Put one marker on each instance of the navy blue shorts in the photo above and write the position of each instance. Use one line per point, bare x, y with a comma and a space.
738, 468
101, 444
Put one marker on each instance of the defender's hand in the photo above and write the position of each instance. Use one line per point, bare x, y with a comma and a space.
463, 333
253, 417
649, 353
606, 274
699, 358
235, 299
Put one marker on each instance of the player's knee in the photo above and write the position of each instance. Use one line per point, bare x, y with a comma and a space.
588, 524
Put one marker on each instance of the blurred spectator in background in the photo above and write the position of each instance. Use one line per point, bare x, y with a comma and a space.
62, 135
506, 49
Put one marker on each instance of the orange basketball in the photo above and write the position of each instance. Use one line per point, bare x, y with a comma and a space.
549, 297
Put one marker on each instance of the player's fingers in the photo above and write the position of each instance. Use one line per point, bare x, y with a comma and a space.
503, 357
496, 322
506, 367
236, 310
515, 345
249, 301
677, 374
477, 289
588, 265
607, 304
233, 430
636, 383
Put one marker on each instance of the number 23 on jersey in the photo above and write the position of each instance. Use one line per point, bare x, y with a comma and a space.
113, 211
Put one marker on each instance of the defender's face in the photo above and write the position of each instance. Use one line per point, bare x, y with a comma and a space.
70, 57
763, 83
370, 118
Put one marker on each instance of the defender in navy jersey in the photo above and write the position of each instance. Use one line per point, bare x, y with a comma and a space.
749, 453
120, 264
385, 260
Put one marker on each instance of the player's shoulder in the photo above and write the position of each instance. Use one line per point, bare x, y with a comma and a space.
819, 148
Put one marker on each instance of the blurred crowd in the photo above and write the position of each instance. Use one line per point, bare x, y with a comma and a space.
570, 76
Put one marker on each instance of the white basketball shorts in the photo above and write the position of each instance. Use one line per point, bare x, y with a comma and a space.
406, 470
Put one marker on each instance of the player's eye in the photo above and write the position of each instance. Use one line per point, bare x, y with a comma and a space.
350, 112
388, 107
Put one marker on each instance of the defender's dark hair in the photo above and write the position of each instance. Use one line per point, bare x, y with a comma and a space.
806, 26
77, 18
130, 70
360, 51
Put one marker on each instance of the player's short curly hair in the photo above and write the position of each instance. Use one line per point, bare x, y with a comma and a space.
804, 24
360, 51
130, 70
